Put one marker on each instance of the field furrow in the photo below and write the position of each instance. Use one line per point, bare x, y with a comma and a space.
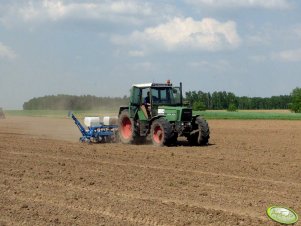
247, 167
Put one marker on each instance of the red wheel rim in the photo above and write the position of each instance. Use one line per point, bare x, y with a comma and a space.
126, 128
158, 134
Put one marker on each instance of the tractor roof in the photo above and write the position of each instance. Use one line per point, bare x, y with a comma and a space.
148, 85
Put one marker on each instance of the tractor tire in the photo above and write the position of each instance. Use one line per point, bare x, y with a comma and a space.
173, 139
161, 132
202, 136
126, 128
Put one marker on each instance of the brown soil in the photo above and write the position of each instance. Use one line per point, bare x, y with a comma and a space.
48, 178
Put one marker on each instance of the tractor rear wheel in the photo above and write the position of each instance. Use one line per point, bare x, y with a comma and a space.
126, 128
201, 137
161, 132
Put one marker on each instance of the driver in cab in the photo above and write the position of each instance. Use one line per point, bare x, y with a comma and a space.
147, 103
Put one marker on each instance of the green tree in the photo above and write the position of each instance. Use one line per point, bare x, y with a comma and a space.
232, 107
198, 106
69, 102
295, 106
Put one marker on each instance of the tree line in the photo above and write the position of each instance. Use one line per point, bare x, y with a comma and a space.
223, 100
198, 100
72, 102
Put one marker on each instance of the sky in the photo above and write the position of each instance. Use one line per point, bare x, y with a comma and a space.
101, 47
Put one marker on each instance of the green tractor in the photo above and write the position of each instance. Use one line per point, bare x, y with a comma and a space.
157, 110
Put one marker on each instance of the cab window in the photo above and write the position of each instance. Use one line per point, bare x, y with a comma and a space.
135, 95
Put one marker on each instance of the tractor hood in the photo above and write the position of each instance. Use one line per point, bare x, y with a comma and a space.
175, 113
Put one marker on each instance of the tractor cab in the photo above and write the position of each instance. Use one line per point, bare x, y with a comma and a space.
149, 96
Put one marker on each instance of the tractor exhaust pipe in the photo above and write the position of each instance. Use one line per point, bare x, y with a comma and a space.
181, 94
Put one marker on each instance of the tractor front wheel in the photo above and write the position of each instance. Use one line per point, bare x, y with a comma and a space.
201, 133
126, 127
161, 132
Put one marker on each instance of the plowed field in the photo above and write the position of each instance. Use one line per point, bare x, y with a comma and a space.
48, 178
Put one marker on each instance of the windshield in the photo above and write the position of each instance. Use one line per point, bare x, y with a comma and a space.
166, 96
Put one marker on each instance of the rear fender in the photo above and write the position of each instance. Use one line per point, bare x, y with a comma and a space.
122, 108
194, 118
155, 118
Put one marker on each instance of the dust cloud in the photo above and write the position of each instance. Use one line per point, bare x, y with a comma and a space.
2, 115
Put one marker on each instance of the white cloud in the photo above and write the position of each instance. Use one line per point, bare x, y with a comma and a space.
136, 53
288, 55
258, 39
6, 52
219, 65
267, 4
55, 10
297, 31
185, 33
292, 55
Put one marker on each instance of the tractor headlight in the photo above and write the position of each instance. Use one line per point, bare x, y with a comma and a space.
161, 111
